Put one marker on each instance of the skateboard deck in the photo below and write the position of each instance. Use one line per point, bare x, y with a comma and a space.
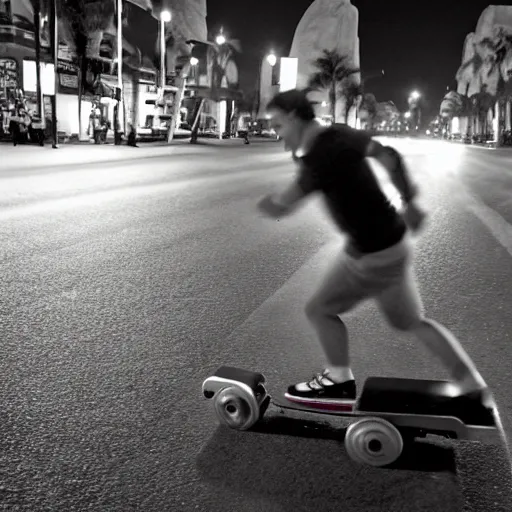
315, 406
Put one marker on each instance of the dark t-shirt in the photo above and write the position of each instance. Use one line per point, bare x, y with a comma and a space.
336, 167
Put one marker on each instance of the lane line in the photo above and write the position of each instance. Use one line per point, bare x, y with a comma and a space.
499, 228
126, 192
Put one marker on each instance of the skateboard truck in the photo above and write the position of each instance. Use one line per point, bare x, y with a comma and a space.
389, 412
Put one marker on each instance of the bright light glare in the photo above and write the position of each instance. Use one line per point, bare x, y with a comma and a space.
386, 185
288, 74
415, 95
220, 39
194, 61
272, 59
165, 16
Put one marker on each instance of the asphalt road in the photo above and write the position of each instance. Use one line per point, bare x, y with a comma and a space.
124, 285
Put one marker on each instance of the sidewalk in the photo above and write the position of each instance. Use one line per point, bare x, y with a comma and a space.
32, 157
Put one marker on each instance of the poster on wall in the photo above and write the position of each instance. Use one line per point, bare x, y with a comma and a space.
9, 81
68, 77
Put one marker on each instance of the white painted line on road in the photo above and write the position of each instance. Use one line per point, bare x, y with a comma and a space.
500, 229
125, 193
302, 283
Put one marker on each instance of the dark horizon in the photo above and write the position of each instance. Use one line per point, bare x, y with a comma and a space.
389, 35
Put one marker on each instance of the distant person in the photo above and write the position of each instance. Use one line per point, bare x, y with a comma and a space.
244, 125
376, 262
132, 137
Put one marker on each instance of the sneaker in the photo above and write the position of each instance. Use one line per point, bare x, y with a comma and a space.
322, 389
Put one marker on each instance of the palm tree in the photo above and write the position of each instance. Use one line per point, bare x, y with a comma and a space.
218, 57
222, 55
332, 70
353, 92
370, 105
86, 21
483, 102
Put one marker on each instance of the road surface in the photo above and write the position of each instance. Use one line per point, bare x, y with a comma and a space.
125, 284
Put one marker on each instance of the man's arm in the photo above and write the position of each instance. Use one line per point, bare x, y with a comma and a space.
284, 203
413, 215
278, 205
396, 168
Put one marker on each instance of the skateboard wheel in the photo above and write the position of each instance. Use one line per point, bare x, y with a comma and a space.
373, 441
235, 409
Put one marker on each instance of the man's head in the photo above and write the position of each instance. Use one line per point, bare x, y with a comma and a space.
290, 112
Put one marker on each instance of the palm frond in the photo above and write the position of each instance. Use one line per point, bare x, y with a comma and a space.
319, 81
236, 45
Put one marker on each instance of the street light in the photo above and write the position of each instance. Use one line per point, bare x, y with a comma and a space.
165, 17
272, 59
220, 39
194, 61
415, 95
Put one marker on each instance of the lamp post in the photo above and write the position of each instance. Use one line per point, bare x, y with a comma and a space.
165, 17
222, 112
414, 105
55, 54
221, 38
118, 114
194, 61
270, 59
37, 26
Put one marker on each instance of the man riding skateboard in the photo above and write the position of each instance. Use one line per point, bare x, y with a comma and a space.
376, 262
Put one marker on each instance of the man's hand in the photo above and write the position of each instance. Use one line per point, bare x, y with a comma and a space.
278, 205
414, 217
269, 207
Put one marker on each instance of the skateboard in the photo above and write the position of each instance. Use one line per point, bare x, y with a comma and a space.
388, 413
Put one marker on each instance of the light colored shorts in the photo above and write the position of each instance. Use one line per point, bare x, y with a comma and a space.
385, 276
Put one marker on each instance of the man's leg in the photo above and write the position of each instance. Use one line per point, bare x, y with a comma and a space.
340, 292
401, 304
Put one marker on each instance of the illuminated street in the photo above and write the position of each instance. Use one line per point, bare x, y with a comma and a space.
126, 283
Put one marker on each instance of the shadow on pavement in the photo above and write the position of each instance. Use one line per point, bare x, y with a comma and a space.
305, 467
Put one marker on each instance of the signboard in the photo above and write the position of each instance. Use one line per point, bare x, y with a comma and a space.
68, 77
288, 74
9, 81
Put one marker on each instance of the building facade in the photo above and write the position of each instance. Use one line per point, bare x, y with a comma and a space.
481, 107
145, 105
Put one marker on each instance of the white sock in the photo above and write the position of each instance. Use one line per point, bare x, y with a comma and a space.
340, 374
336, 374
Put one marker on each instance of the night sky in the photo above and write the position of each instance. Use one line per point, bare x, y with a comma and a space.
418, 49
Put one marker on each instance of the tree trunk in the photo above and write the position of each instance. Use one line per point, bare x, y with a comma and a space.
135, 99
348, 106
182, 80
332, 100
37, 26
176, 109
82, 72
197, 118
94, 43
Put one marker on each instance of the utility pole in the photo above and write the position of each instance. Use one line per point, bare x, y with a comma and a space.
55, 54
37, 28
119, 114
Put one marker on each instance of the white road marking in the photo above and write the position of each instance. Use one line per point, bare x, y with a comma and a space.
500, 229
